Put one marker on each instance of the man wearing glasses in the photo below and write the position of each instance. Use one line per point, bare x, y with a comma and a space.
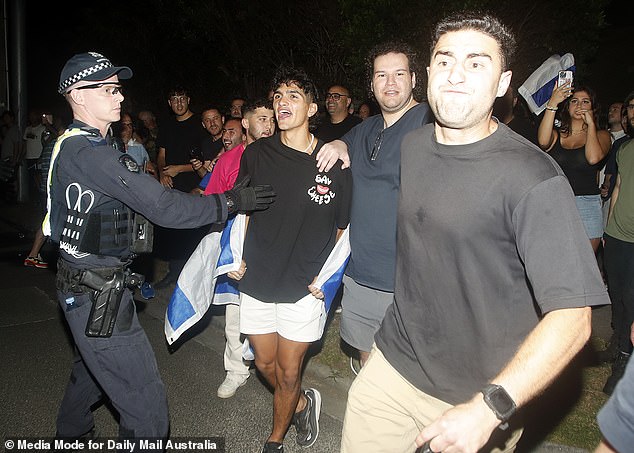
373, 150
339, 120
93, 192
178, 136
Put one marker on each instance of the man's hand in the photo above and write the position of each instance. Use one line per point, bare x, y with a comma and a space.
237, 275
171, 170
196, 164
166, 180
243, 198
464, 428
330, 153
316, 292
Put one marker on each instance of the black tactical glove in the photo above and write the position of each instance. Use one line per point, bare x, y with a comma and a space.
242, 198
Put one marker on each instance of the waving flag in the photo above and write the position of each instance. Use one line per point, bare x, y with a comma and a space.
196, 289
203, 280
538, 88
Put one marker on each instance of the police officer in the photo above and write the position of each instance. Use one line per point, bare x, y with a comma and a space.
94, 191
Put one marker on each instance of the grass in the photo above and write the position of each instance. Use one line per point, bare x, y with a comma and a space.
565, 414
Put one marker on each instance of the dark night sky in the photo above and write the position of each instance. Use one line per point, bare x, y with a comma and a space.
49, 28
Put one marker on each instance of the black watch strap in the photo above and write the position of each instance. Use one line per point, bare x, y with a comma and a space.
500, 403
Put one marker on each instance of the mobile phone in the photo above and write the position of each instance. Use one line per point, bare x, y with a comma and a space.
195, 153
564, 77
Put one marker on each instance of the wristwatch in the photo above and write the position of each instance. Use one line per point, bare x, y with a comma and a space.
500, 403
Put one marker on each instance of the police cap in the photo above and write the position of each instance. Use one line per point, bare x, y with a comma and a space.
90, 66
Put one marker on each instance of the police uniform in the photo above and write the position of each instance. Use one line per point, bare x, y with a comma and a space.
94, 192
94, 189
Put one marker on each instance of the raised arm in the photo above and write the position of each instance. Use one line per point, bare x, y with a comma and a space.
546, 134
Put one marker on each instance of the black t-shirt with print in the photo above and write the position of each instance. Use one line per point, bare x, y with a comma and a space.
287, 244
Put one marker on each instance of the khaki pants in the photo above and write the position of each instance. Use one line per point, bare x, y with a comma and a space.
385, 413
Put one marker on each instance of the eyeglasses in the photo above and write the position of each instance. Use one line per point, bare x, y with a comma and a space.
108, 88
175, 99
335, 96
377, 145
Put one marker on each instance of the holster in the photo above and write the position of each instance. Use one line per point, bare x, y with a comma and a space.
106, 298
106, 287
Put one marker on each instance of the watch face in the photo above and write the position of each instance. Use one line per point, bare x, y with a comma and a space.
501, 401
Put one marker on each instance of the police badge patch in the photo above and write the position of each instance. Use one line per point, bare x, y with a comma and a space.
129, 163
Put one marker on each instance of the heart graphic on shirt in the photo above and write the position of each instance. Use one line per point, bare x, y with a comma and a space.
322, 190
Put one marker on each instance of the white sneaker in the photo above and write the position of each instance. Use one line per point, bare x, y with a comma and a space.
231, 383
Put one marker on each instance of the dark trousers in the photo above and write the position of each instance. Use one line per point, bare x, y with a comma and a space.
122, 368
619, 267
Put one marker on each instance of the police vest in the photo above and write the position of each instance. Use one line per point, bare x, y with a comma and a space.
84, 221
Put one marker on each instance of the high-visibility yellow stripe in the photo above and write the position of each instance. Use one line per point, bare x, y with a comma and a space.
46, 224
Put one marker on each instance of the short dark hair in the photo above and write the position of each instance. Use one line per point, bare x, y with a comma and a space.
390, 47
628, 99
482, 22
286, 75
177, 90
211, 107
251, 106
233, 118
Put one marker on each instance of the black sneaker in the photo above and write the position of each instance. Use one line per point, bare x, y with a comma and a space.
273, 447
307, 421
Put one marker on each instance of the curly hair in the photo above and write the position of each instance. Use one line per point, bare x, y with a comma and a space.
565, 113
482, 22
287, 75
384, 49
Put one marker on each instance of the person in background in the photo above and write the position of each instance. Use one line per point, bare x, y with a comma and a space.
178, 136
259, 122
373, 149
580, 148
54, 128
339, 121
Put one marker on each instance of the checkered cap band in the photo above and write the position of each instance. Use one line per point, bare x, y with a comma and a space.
82, 75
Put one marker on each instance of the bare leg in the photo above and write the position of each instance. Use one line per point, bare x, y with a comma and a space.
286, 400
38, 242
280, 362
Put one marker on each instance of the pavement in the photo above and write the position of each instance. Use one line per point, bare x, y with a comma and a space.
36, 353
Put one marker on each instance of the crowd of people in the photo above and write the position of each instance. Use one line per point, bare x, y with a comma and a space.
481, 236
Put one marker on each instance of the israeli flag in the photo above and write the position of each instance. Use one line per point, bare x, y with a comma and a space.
203, 280
331, 273
538, 88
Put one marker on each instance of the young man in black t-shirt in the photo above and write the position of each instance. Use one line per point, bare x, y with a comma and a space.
284, 249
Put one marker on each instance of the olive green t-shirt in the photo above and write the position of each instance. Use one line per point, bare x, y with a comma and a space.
621, 223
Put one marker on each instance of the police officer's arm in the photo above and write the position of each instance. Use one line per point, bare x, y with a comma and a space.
105, 169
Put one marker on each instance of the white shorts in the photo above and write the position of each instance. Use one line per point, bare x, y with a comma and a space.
302, 321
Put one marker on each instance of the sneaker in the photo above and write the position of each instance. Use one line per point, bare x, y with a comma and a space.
231, 383
307, 421
273, 447
36, 261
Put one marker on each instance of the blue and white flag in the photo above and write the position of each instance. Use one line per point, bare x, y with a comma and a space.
196, 289
331, 273
538, 88
203, 280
